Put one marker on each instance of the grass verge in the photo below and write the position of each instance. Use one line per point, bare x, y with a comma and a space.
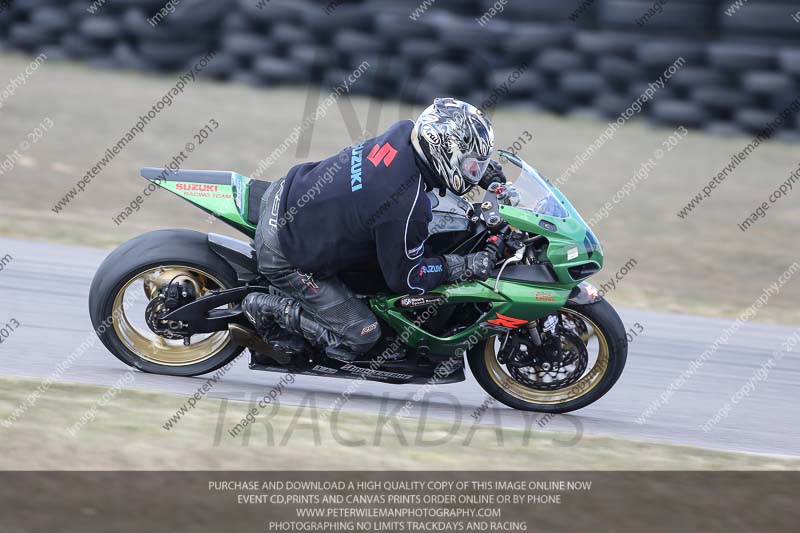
128, 433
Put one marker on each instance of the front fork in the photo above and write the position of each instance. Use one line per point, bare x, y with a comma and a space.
542, 339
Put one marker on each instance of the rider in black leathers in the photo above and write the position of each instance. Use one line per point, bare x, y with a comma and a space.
367, 201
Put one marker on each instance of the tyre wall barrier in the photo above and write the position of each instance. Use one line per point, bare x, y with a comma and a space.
741, 57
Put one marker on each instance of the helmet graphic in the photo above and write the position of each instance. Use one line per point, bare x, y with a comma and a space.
456, 141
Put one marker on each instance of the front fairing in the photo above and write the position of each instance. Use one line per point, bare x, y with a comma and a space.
573, 250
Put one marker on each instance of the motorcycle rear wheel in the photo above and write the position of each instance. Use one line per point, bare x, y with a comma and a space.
129, 279
603, 324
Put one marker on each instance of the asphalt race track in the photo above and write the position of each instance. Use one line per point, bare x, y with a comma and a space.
45, 287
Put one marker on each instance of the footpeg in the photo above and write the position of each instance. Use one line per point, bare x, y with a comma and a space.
249, 339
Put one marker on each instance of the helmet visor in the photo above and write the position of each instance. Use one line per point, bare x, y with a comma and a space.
473, 167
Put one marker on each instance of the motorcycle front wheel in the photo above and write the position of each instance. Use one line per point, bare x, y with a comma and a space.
596, 331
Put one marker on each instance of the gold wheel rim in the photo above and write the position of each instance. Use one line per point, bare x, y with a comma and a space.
583, 386
156, 349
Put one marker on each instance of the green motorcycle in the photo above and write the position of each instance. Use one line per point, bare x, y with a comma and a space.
536, 335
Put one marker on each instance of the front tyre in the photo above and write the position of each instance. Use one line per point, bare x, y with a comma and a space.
602, 334
124, 294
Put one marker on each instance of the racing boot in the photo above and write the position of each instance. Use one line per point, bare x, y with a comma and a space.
262, 309
267, 313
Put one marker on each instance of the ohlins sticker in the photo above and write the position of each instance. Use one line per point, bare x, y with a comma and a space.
507, 322
420, 301
385, 154
196, 187
375, 373
355, 167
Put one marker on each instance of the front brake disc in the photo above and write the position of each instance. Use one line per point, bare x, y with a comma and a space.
558, 370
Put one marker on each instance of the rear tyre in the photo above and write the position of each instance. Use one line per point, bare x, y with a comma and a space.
128, 280
605, 332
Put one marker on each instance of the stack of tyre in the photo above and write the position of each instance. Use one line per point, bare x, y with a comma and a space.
741, 69
115, 33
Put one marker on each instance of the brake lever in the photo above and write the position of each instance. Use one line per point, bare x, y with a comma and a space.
516, 258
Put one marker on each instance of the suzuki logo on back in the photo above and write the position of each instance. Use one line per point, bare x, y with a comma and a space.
355, 167
383, 153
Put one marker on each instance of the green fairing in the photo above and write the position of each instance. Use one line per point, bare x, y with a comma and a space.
528, 301
517, 300
219, 203
520, 300
571, 233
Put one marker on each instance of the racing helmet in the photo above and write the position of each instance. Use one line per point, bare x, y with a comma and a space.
455, 139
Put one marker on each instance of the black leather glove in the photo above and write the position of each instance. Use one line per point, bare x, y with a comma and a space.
468, 267
493, 174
